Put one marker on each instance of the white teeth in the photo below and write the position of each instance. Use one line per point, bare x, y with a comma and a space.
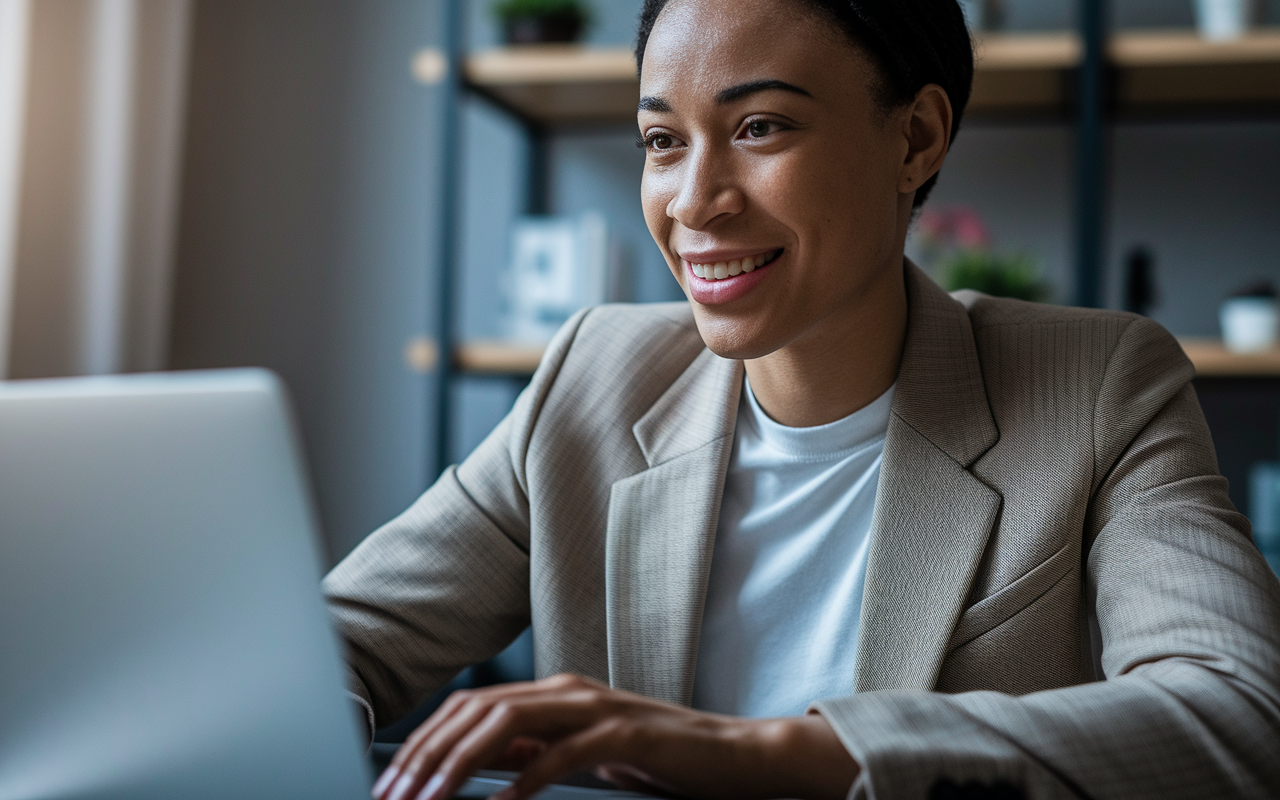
727, 269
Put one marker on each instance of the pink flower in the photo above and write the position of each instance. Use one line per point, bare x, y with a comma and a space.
945, 227
969, 231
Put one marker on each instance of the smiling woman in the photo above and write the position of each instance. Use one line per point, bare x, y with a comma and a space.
825, 530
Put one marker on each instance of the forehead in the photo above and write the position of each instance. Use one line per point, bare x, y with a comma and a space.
706, 44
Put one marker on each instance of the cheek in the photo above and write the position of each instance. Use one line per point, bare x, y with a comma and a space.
655, 195
842, 195
653, 201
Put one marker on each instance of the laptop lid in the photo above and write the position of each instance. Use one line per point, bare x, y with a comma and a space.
162, 633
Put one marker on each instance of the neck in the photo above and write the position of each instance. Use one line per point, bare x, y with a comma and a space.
840, 365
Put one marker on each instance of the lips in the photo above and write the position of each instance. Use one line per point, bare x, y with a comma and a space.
722, 284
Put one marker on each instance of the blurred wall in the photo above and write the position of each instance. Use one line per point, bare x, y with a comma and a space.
307, 210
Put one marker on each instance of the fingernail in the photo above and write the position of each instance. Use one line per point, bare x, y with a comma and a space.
432, 788
401, 788
388, 775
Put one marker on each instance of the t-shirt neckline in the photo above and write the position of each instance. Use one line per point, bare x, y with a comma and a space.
863, 427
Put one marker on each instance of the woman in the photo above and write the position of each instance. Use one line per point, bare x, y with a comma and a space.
826, 529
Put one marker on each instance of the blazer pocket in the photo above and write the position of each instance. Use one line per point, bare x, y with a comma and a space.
992, 611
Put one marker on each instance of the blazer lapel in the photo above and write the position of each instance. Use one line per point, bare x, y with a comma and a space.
932, 516
661, 531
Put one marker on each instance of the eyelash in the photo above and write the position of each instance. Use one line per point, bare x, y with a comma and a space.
646, 142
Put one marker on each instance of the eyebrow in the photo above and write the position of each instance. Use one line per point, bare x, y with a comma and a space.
734, 93
654, 104
725, 96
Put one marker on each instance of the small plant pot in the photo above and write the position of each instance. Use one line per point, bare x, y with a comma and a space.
1224, 20
1249, 324
543, 28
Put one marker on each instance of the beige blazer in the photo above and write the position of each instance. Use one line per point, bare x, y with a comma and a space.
1059, 593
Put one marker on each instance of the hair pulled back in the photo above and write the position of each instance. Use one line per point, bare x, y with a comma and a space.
912, 43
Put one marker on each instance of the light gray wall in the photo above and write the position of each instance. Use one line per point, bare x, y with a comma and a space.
305, 238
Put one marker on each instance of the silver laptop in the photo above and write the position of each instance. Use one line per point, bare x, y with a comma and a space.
162, 633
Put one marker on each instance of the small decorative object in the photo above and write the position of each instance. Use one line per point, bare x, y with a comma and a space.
1249, 319
1139, 281
559, 265
541, 21
1224, 20
984, 15
957, 245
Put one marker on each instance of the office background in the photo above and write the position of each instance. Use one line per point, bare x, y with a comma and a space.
284, 208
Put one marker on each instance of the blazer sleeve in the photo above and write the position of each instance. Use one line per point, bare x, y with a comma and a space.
446, 583
1188, 614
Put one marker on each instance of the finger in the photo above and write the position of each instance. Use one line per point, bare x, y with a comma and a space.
565, 702
447, 710
450, 707
430, 749
510, 718
457, 714
600, 743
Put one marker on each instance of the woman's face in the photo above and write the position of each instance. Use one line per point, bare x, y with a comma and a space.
773, 183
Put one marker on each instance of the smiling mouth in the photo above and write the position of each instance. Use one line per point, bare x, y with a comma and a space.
723, 270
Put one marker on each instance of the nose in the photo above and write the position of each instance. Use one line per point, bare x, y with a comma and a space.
706, 191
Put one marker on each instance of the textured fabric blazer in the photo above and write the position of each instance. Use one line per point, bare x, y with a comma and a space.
1059, 594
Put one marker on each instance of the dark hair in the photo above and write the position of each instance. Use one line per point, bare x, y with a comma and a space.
912, 42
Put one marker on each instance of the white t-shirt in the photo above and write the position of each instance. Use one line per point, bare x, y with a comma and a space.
781, 623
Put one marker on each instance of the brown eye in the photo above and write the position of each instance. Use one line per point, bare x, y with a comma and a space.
661, 142
757, 128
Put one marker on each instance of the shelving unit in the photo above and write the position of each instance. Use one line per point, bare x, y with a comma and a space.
1212, 360
566, 84
497, 358
1086, 77
1209, 356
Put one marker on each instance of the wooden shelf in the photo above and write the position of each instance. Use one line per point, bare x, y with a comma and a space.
1211, 360
560, 83
1015, 73
1178, 70
1022, 73
483, 357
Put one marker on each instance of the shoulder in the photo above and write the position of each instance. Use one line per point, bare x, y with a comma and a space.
990, 312
1099, 341
1111, 371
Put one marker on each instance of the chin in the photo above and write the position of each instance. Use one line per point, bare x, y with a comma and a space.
740, 340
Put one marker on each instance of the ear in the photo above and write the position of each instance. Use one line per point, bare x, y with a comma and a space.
927, 130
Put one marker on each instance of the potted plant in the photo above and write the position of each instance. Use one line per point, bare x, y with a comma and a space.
541, 21
957, 246
996, 274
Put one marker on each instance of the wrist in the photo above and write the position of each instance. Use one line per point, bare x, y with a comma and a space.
808, 758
